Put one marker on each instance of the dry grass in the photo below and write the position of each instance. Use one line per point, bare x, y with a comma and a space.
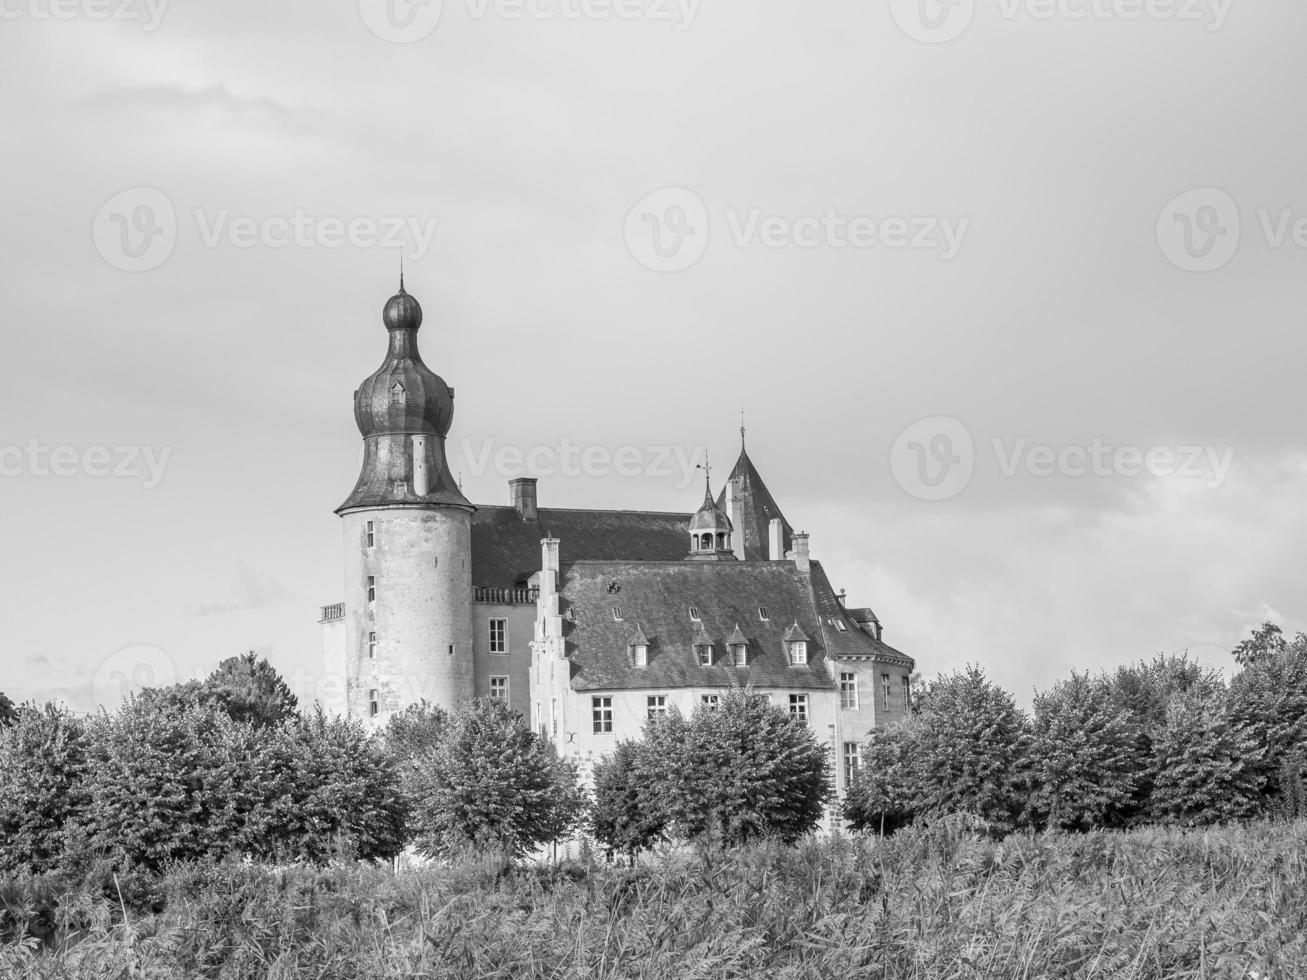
935, 903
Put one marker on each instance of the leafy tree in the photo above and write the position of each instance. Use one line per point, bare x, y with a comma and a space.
1085, 757
250, 690
42, 766
491, 782
627, 816
743, 770
1265, 642
416, 730
881, 799
1269, 699
8, 713
969, 742
1205, 768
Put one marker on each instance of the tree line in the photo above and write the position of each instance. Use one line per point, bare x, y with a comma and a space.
229, 766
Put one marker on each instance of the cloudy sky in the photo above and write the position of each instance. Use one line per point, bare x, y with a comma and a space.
1009, 292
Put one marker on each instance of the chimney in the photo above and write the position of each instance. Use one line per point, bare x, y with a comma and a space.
775, 540
734, 511
800, 551
549, 566
522, 493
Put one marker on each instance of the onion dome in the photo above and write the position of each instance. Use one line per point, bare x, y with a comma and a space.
710, 528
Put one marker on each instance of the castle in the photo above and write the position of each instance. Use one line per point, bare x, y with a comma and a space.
588, 622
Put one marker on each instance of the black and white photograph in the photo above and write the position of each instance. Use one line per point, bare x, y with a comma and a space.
643, 489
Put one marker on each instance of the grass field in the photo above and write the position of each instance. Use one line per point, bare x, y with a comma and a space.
929, 903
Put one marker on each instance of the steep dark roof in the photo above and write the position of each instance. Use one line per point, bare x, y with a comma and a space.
659, 595
757, 508
506, 549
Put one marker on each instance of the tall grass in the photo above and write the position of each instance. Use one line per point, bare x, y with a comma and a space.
933, 902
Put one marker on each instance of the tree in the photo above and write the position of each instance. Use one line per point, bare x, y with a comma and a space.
739, 771
1265, 642
1268, 698
1085, 757
1205, 768
627, 816
250, 690
881, 799
415, 731
968, 751
42, 766
8, 713
490, 782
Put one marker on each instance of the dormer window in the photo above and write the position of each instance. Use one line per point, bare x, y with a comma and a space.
796, 646
740, 654
397, 393
637, 647
704, 652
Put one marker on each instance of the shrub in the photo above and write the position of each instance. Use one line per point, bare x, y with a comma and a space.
42, 766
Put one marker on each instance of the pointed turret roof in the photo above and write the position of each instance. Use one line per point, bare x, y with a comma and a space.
756, 511
737, 637
638, 639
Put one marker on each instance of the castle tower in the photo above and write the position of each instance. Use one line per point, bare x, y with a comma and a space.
408, 533
710, 529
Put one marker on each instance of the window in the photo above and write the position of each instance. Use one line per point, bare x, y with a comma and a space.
799, 707
884, 692
849, 691
451, 649
499, 636
907, 695
499, 688
711, 701
602, 709
798, 652
657, 705
762, 614
740, 654
704, 652
374, 705
372, 588
372, 646
640, 654
371, 533
839, 624
397, 393
694, 613
617, 613
852, 761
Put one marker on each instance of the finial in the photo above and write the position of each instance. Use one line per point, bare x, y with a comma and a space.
707, 476
741, 430
401, 272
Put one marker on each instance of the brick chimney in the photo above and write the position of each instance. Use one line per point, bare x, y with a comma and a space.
522, 493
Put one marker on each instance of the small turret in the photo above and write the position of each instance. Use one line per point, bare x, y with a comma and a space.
710, 528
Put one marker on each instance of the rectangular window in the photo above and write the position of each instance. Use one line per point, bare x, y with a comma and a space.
372, 646
640, 655
372, 588
705, 655
762, 614
849, 692
852, 761
499, 636
603, 715
711, 701
907, 696
657, 705
798, 653
374, 705
694, 613
372, 533
740, 654
799, 707
884, 692
499, 688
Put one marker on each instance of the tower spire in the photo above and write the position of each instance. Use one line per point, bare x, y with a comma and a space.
741, 430
401, 271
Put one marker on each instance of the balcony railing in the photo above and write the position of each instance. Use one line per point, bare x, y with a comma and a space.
505, 597
333, 614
